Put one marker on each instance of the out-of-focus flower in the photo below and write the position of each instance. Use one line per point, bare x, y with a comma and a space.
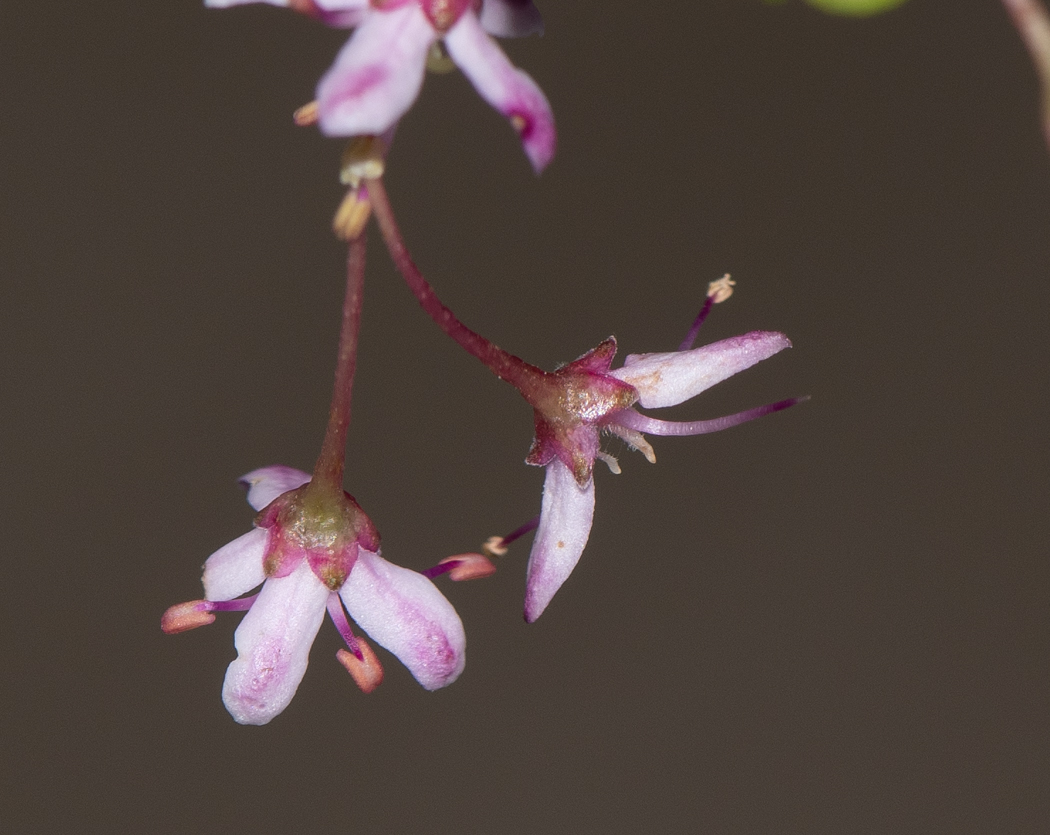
584, 397
314, 551
1033, 22
378, 74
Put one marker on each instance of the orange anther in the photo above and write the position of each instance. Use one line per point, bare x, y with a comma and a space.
307, 115
367, 674
471, 567
185, 616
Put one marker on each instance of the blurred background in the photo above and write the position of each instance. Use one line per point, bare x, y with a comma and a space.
831, 620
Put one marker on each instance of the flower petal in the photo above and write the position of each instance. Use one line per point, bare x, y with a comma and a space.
505, 87
273, 646
565, 525
267, 483
225, 4
377, 75
404, 612
237, 567
342, 13
510, 18
672, 378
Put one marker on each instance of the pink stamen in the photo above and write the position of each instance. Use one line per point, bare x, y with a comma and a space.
366, 670
531, 525
690, 337
338, 616
240, 604
183, 617
463, 567
653, 426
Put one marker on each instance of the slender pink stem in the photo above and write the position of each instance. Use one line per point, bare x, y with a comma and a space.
504, 365
328, 472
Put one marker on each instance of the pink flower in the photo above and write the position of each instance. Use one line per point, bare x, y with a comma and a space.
585, 397
313, 553
379, 72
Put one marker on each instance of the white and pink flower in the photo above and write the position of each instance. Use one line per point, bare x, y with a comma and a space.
311, 552
378, 74
586, 397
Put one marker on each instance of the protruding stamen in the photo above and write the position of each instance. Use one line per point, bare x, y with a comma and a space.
500, 547
494, 547
636, 440
307, 115
338, 616
610, 461
720, 290
366, 671
363, 159
183, 617
352, 215
466, 567
643, 423
717, 291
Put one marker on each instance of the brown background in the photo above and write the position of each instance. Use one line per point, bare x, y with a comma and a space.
833, 620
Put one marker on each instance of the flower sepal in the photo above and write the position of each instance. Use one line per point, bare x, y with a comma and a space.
325, 527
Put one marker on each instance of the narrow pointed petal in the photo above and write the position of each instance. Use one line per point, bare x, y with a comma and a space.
377, 75
273, 646
237, 567
404, 612
565, 525
672, 378
266, 484
510, 18
505, 87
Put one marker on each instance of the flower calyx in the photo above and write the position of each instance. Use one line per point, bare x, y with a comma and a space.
571, 404
325, 527
443, 14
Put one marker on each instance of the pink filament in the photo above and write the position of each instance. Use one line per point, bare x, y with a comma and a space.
653, 426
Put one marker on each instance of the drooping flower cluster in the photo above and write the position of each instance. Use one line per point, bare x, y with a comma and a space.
312, 548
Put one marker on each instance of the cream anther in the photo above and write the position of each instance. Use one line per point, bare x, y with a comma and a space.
363, 159
352, 215
719, 291
494, 547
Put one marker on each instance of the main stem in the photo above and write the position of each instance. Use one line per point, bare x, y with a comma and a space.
328, 472
506, 366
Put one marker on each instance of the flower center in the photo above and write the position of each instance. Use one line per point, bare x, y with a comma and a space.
321, 526
443, 14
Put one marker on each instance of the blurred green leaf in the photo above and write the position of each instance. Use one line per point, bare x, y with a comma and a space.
855, 8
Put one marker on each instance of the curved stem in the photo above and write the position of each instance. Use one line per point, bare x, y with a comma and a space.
328, 472
504, 365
